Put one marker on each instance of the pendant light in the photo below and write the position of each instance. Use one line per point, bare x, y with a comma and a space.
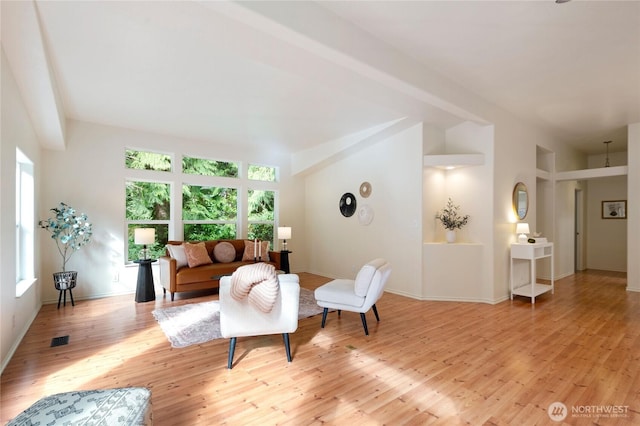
606, 162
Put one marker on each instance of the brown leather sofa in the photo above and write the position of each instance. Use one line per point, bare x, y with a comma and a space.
174, 279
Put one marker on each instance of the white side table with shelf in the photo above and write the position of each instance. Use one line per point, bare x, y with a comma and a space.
531, 252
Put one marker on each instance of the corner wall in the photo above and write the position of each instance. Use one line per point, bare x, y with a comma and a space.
338, 246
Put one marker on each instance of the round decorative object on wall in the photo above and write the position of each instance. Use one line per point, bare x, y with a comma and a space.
365, 214
347, 204
365, 189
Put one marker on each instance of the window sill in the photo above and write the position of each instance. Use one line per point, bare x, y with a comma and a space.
24, 285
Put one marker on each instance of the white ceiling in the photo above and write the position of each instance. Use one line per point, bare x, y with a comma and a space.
296, 74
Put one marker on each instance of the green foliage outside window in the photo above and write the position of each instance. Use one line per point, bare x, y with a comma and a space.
203, 167
264, 173
209, 231
261, 205
147, 202
209, 203
261, 215
147, 161
202, 203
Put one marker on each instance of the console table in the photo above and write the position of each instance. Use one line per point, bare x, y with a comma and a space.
145, 291
531, 252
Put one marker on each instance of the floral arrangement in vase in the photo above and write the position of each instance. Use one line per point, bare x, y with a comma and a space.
451, 219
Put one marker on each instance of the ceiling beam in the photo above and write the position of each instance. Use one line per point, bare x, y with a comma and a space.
26, 52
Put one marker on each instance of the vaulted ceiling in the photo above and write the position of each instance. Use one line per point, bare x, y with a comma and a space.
297, 74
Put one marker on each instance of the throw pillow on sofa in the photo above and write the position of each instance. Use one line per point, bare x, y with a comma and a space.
196, 254
248, 254
224, 252
177, 252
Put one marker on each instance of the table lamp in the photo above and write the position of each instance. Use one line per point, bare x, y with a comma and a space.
522, 229
284, 234
143, 237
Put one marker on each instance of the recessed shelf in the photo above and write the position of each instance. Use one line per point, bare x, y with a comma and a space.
452, 161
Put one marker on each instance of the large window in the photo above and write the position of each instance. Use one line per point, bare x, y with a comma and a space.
148, 205
25, 223
212, 192
209, 213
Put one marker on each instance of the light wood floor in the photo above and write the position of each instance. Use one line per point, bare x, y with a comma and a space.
423, 363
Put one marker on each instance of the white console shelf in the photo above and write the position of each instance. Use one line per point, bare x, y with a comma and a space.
531, 252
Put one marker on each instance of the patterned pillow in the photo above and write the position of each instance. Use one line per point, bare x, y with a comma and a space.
196, 254
248, 254
177, 252
224, 252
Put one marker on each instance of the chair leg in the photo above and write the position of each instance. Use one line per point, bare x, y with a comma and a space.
59, 297
375, 311
339, 312
64, 298
364, 323
287, 346
71, 295
324, 316
232, 349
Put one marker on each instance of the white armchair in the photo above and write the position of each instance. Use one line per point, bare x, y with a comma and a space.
357, 295
240, 318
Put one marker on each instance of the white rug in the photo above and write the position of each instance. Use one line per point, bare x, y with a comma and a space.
196, 323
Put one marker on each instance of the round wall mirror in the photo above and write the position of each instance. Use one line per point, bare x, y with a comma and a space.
520, 200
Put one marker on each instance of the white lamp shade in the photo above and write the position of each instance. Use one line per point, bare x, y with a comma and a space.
284, 233
144, 236
522, 228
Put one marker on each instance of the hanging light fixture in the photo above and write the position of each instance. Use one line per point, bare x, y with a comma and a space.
606, 162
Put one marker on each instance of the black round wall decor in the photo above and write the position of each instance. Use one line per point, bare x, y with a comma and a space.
347, 204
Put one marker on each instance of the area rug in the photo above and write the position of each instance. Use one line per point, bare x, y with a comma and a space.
196, 323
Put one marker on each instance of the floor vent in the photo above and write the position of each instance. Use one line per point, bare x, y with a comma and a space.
59, 341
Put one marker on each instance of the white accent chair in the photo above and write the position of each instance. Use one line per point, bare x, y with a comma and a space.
239, 318
357, 295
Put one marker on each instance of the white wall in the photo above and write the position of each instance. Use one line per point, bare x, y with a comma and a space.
16, 313
339, 246
633, 208
606, 238
93, 179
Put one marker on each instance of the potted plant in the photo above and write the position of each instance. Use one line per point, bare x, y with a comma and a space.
71, 231
451, 220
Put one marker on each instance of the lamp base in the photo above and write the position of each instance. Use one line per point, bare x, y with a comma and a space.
522, 238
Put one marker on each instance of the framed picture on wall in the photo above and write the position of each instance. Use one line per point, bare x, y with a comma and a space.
616, 209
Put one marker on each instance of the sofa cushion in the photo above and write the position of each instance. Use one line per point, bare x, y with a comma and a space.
177, 252
224, 252
196, 254
250, 246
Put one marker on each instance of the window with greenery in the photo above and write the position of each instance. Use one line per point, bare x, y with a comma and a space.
260, 215
203, 167
148, 205
142, 160
209, 212
264, 173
